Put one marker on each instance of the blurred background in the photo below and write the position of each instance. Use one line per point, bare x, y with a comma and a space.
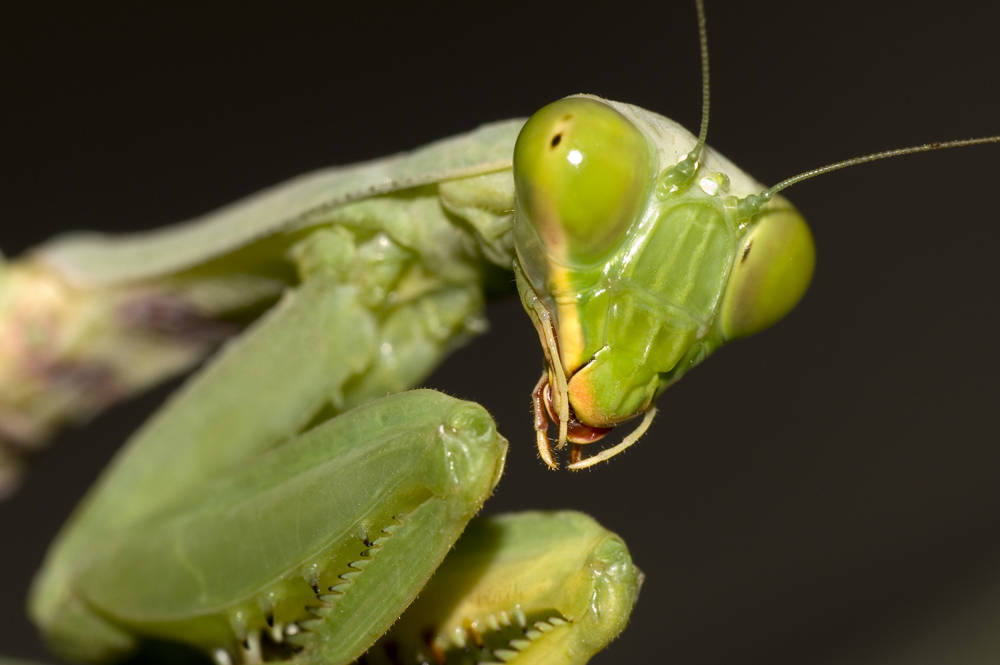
825, 492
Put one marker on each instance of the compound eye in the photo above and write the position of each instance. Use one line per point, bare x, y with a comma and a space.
582, 171
770, 273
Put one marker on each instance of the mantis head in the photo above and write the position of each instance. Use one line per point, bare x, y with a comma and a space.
639, 251
636, 256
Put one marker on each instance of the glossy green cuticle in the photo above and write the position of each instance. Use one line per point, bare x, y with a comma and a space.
770, 273
581, 172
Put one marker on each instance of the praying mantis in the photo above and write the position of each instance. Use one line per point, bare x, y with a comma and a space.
677, 497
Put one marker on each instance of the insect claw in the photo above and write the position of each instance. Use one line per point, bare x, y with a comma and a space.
543, 626
252, 654
506, 655
311, 625
477, 637
319, 611
492, 623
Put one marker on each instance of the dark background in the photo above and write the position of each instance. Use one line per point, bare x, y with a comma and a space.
806, 496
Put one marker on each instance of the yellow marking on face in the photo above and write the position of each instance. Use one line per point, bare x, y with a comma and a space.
569, 332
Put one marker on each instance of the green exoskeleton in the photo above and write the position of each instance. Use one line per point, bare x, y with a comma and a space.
566, 582
285, 546
242, 520
279, 508
639, 251
638, 257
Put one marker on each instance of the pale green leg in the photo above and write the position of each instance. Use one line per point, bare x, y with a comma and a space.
91, 319
317, 546
261, 389
545, 588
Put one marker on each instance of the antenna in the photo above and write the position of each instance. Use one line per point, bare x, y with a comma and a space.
873, 157
703, 45
680, 174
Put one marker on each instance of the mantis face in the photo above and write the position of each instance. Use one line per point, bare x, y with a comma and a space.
636, 260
